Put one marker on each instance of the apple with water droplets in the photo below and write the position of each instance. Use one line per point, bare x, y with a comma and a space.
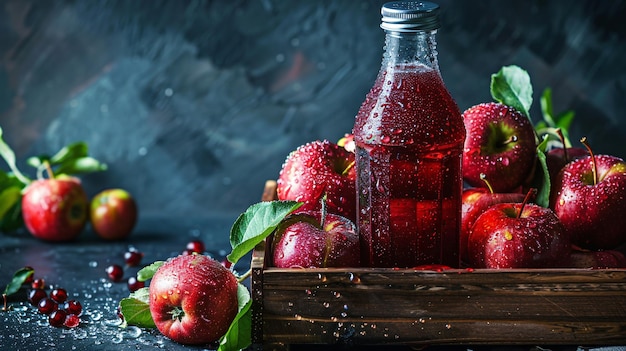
589, 197
518, 235
318, 169
475, 201
55, 209
193, 299
500, 143
306, 240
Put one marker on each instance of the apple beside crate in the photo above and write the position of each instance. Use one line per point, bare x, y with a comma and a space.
386, 306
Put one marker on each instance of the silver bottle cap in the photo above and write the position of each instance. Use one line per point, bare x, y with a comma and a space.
410, 16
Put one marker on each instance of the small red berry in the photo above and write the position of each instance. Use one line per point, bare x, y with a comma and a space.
71, 321
38, 284
57, 318
115, 272
59, 295
47, 305
134, 284
29, 279
35, 295
196, 246
226, 263
133, 258
73, 307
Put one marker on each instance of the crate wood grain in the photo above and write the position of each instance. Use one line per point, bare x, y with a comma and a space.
372, 306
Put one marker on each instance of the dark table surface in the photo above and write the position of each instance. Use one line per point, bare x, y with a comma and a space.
79, 267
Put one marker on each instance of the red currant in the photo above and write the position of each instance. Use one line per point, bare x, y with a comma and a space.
29, 279
38, 284
71, 321
47, 305
134, 284
35, 295
73, 307
59, 295
115, 272
57, 318
226, 263
196, 246
133, 257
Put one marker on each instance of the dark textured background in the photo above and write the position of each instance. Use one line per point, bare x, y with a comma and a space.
194, 104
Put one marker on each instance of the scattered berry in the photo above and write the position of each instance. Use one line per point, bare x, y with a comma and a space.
47, 305
73, 307
226, 263
133, 257
115, 272
36, 295
134, 284
57, 318
196, 246
31, 276
59, 295
38, 284
71, 321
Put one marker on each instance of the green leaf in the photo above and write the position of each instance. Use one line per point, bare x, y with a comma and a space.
70, 152
80, 165
511, 86
543, 193
18, 280
546, 107
239, 334
37, 161
9, 157
147, 272
136, 309
254, 225
8, 198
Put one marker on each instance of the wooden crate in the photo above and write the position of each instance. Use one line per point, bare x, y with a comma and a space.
380, 306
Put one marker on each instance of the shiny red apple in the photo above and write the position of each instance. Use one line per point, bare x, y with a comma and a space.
475, 201
500, 143
113, 214
589, 197
518, 236
193, 299
316, 169
304, 240
55, 209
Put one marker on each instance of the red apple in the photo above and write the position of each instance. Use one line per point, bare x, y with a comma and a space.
589, 200
303, 241
518, 236
193, 299
113, 213
500, 143
475, 201
319, 168
55, 209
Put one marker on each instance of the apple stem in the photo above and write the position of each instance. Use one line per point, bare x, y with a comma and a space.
594, 168
348, 168
245, 276
483, 177
531, 193
511, 139
48, 169
559, 132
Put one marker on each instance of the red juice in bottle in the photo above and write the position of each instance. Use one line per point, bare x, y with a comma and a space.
409, 136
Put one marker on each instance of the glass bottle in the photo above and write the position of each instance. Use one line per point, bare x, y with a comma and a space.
409, 137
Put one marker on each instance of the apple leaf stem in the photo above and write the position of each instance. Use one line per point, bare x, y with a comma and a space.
244, 276
594, 168
483, 177
531, 193
4, 307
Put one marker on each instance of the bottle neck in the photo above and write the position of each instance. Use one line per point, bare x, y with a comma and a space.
410, 49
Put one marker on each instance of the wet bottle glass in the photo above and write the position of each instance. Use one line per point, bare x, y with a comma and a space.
409, 137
